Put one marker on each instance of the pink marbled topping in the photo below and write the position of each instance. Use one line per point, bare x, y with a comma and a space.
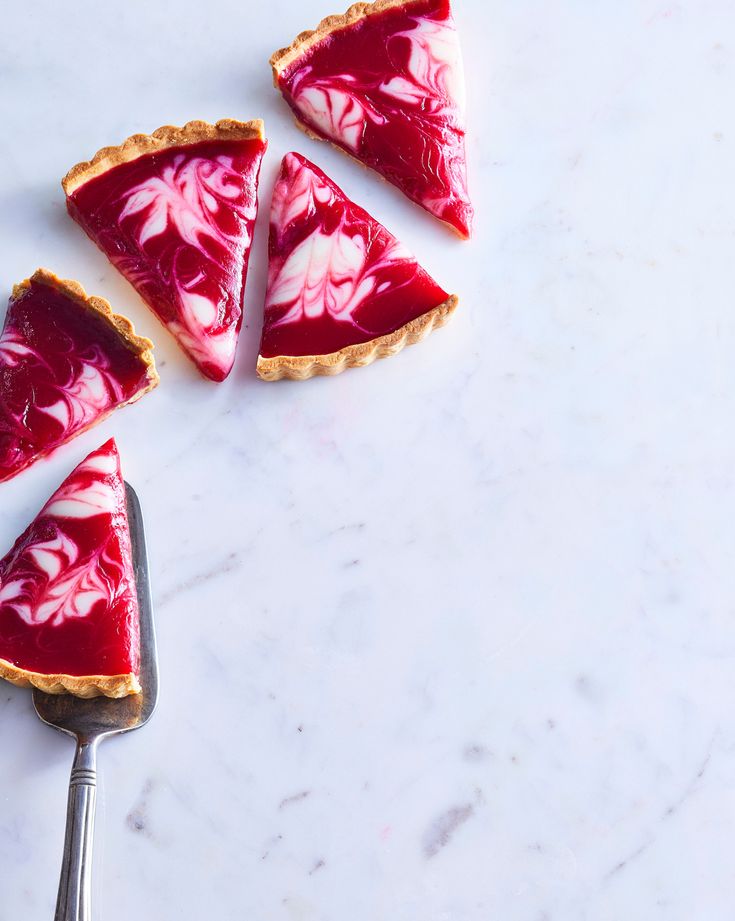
389, 89
336, 277
62, 369
178, 224
68, 602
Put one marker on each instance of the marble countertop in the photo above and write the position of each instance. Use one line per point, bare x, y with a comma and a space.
450, 638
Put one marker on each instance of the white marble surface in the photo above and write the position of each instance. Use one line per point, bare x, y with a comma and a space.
451, 638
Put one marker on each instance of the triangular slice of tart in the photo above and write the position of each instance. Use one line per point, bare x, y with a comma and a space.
342, 290
174, 212
66, 362
69, 618
385, 82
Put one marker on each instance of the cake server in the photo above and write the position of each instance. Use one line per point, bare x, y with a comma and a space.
89, 721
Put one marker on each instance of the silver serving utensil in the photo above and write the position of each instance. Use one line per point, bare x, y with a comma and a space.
91, 720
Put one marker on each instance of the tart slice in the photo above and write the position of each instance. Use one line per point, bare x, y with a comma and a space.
174, 212
66, 362
385, 83
342, 291
68, 603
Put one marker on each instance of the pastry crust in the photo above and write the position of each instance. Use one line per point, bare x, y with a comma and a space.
141, 346
227, 129
302, 367
82, 686
282, 58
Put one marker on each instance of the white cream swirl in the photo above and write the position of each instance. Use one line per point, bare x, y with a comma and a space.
329, 272
404, 115
192, 197
435, 70
337, 106
12, 348
89, 394
89, 491
184, 197
72, 595
299, 197
52, 578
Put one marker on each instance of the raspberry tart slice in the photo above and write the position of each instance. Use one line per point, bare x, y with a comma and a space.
174, 212
342, 291
66, 362
68, 603
385, 83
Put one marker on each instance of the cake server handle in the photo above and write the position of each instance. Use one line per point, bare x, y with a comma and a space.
75, 885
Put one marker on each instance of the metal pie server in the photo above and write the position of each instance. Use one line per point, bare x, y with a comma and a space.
91, 720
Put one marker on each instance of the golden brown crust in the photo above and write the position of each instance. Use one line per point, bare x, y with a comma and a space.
166, 136
302, 367
282, 58
79, 686
141, 346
